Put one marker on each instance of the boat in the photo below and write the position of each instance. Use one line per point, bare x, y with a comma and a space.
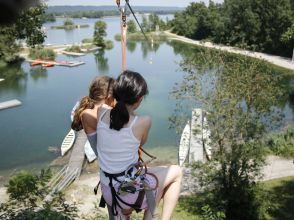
68, 142
91, 156
184, 143
206, 138
63, 62
49, 65
72, 114
35, 63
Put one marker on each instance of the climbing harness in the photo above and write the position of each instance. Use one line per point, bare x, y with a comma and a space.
128, 186
124, 28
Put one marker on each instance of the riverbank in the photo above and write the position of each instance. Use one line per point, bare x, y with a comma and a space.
276, 60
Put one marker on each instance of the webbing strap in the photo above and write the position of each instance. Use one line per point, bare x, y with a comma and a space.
124, 29
151, 202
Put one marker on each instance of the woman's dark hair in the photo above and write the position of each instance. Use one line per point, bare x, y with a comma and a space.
100, 88
128, 88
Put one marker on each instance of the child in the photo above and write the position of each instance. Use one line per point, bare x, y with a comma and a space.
119, 135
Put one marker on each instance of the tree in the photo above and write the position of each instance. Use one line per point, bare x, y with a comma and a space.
237, 95
68, 22
28, 26
99, 32
132, 27
145, 24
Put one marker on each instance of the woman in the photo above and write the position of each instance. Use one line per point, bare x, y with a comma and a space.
100, 93
119, 135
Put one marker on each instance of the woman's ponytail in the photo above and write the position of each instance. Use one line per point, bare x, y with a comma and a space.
128, 88
86, 103
120, 115
100, 88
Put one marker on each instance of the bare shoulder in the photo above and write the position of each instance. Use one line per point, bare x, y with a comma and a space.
144, 121
102, 108
89, 114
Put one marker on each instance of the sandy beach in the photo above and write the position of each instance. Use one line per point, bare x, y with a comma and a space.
274, 59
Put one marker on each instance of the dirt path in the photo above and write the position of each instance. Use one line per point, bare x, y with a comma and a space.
276, 60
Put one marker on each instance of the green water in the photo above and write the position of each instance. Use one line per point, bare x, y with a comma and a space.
48, 95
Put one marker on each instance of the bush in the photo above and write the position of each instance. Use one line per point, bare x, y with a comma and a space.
87, 40
108, 43
25, 190
282, 143
68, 22
74, 48
44, 54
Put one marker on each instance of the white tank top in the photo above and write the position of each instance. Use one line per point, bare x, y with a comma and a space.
117, 150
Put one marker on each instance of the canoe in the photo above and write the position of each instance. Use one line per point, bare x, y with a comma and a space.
72, 114
68, 142
89, 152
35, 63
63, 62
206, 138
49, 65
184, 144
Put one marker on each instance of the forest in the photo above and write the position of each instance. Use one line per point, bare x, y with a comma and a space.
259, 25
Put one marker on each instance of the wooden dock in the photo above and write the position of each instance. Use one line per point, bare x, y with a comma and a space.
71, 64
196, 143
73, 54
9, 104
78, 154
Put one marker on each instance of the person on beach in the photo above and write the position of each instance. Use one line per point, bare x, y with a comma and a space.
119, 136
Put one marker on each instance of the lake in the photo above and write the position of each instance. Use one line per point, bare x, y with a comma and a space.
48, 95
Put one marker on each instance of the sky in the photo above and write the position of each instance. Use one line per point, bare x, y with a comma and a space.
179, 3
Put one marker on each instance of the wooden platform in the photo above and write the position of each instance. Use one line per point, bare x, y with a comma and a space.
9, 104
73, 64
73, 54
78, 154
196, 145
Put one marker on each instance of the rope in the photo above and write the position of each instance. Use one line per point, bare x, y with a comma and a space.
124, 29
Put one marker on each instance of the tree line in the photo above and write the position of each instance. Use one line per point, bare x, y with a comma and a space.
100, 14
255, 24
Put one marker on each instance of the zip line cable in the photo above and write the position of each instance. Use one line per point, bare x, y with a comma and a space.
128, 4
138, 22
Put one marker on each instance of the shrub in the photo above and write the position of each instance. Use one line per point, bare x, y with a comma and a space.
74, 48
44, 54
281, 143
87, 40
68, 22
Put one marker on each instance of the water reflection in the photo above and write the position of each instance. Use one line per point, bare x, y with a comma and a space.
145, 47
15, 81
101, 62
38, 73
131, 46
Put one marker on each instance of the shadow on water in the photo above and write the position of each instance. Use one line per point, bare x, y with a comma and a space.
101, 62
38, 73
15, 80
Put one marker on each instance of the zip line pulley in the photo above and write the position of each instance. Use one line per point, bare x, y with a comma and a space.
124, 28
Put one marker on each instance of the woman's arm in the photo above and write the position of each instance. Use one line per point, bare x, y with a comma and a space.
141, 129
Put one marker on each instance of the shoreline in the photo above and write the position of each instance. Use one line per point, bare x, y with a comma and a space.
273, 59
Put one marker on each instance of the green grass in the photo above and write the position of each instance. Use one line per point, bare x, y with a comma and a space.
140, 36
279, 201
278, 204
77, 49
45, 54
69, 26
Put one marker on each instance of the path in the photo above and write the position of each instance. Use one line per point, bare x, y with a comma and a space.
276, 60
277, 167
